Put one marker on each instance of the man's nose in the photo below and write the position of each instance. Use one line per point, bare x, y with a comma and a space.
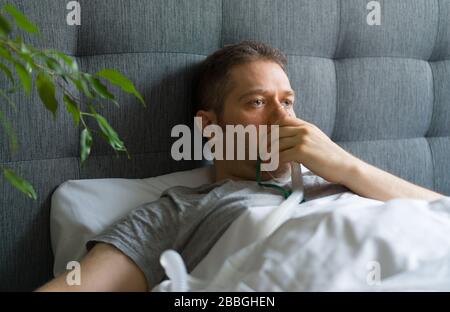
278, 112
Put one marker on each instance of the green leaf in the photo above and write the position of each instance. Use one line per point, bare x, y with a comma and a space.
29, 66
24, 77
29, 62
23, 47
85, 144
68, 60
100, 88
5, 27
91, 108
6, 54
111, 135
7, 72
116, 78
64, 58
85, 87
21, 20
73, 109
82, 86
19, 183
46, 90
54, 65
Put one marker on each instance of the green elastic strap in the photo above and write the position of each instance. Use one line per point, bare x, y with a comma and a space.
285, 192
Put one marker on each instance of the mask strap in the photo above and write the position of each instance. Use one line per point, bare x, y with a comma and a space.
285, 192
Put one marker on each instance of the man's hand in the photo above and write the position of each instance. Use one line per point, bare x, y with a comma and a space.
305, 143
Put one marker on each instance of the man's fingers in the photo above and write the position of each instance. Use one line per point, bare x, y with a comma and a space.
286, 142
296, 130
288, 131
288, 120
288, 126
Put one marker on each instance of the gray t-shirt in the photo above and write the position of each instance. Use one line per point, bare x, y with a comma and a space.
191, 220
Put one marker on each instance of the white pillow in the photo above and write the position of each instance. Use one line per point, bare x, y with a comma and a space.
81, 209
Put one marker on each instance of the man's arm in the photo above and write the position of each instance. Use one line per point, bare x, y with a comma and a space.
305, 143
104, 268
372, 182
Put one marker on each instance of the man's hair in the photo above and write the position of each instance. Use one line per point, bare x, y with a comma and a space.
213, 80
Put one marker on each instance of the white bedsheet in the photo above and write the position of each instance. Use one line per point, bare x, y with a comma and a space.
342, 242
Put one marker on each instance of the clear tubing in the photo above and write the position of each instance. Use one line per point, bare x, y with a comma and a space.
175, 269
279, 215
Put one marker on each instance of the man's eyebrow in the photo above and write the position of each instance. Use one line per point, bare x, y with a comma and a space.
262, 91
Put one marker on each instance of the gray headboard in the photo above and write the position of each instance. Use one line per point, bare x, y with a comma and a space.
382, 92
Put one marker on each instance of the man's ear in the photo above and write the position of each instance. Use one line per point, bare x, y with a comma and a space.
208, 117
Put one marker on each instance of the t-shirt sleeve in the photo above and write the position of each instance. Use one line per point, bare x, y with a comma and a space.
145, 233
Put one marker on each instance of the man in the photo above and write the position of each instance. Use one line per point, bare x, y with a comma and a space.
245, 84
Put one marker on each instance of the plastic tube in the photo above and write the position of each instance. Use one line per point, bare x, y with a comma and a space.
175, 270
279, 215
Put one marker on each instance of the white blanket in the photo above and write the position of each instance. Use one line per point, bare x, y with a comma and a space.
342, 242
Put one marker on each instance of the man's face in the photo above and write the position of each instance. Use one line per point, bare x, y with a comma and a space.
260, 94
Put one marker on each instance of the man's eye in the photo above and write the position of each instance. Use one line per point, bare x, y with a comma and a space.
288, 103
257, 102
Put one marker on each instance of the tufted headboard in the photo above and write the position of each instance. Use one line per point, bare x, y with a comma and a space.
382, 92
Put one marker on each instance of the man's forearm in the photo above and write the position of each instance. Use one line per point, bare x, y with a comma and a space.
305, 143
372, 182
104, 268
